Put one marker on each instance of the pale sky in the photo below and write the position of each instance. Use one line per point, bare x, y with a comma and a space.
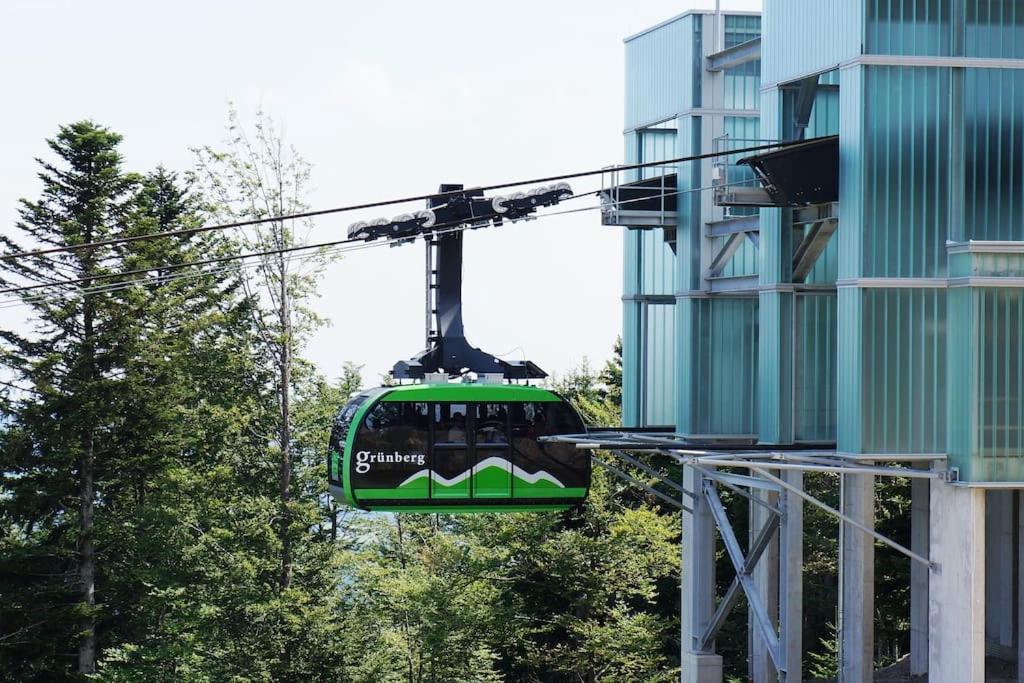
385, 99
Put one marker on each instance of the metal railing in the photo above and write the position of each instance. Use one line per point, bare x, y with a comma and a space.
736, 187
622, 199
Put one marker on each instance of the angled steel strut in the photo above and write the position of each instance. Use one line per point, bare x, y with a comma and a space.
441, 226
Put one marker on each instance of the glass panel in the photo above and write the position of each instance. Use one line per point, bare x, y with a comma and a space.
928, 28
740, 132
994, 28
903, 382
450, 423
491, 423
545, 470
339, 434
993, 154
742, 82
390, 450
722, 391
906, 172
739, 28
909, 27
659, 374
1000, 380
815, 367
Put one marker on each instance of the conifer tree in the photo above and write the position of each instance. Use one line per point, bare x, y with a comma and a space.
57, 457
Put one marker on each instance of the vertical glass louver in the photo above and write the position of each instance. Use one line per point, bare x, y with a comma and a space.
983, 28
993, 144
905, 172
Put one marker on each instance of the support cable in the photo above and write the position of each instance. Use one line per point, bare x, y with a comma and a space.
388, 202
333, 246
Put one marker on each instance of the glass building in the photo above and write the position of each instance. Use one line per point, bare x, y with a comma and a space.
901, 337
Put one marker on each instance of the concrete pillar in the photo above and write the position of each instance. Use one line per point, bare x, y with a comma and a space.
791, 582
766, 578
1020, 587
956, 593
698, 586
1000, 564
919, 578
857, 581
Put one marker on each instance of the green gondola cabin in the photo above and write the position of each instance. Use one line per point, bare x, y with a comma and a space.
457, 448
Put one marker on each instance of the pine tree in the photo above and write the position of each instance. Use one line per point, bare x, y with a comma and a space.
57, 454
188, 383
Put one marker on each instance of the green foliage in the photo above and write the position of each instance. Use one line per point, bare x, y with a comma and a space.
185, 401
823, 664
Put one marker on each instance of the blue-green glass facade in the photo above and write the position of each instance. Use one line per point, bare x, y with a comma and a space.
905, 337
682, 363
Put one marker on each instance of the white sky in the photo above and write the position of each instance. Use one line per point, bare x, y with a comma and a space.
385, 99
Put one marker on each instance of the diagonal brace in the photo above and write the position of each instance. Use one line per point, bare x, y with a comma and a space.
760, 544
811, 247
732, 244
644, 467
636, 482
754, 600
849, 520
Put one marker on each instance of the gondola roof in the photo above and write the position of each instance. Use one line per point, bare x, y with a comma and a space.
468, 391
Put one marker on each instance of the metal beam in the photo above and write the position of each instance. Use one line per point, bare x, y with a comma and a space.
813, 244
733, 195
710, 474
735, 285
728, 226
815, 212
805, 97
734, 56
791, 584
639, 219
811, 466
741, 480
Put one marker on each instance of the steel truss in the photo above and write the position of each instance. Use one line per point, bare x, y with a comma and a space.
771, 478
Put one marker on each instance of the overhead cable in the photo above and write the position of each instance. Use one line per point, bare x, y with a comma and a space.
369, 205
334, 247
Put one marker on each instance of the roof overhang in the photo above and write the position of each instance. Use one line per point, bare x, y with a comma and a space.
799, 175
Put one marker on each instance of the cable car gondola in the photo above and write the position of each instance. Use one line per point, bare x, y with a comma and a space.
440, 446
457, 448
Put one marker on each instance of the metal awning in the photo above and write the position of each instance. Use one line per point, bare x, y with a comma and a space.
799, 175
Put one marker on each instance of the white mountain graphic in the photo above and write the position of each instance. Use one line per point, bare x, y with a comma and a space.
500, 463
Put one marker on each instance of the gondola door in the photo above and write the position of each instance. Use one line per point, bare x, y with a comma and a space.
492, 462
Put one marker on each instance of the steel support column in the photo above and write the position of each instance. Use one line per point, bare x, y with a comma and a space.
766, 578
919, 577
699, 664
791, 581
